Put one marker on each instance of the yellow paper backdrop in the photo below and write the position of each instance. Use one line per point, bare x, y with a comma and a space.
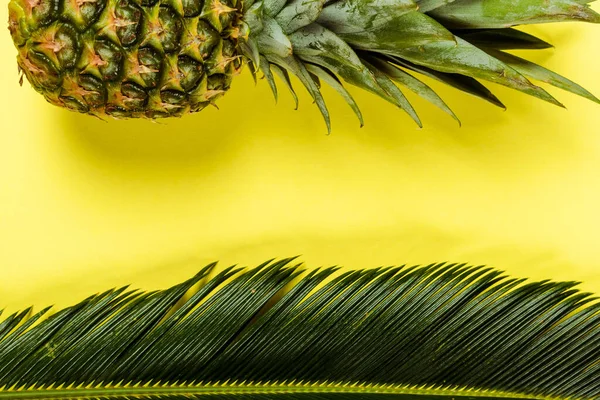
87, 204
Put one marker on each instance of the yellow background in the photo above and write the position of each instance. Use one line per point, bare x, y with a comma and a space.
86, 204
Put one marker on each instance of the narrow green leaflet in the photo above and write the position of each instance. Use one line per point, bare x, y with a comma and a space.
388, 85
534, 71
285, 77
250, 49
252, 67
10, 341
12, 321
496, 14
277, 332
266, 70
292, 64
332, 81
315, 44
407, 80
423, 36
461, 82
466, 59
314, 77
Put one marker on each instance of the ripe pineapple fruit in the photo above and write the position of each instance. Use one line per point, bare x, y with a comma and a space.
162, 58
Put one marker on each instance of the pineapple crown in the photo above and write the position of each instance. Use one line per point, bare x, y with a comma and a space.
158, 58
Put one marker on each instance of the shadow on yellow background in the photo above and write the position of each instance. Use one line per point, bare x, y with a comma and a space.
87, 204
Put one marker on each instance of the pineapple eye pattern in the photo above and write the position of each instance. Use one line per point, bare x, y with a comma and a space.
82, 13
163, 58
123, 58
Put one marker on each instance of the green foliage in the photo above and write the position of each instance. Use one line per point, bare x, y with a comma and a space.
457, 42
91, 57
440, 332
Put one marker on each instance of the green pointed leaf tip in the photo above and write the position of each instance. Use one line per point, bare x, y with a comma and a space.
534, 71
439, 332
266, 69
469, 60
451, 40
460, 82
318, 45
285, 77
410, 82
296, 67
393, 93
332, 81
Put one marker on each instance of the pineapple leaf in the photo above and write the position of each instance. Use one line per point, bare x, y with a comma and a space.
461, 82
382, 25
291, 63
332, 81
407, 80
285, 77
318, 45
428, 5
439, 332
273, 7
392, 90
502, 39
494, 13
466, 59
253, 17
252, 68
534, 71
272, 39
299, 13
250, 50
356, 16
265, 67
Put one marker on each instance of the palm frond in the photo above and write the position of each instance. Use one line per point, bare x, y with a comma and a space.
443, 331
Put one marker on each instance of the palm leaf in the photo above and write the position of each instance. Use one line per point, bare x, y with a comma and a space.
439, 332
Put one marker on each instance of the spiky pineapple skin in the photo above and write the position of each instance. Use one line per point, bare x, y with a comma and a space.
128, 58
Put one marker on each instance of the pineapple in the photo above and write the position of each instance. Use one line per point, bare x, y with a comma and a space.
163, 58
